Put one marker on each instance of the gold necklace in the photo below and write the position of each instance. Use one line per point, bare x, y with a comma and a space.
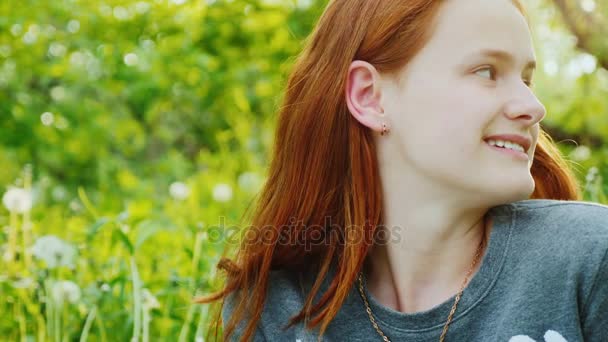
456, 300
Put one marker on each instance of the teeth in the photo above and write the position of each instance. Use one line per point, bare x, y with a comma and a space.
506, 144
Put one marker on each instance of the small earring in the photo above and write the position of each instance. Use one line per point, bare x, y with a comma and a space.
385, 130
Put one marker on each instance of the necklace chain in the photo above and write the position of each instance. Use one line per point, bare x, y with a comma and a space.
456, 300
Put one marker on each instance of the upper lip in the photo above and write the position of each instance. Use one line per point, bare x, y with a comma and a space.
525, 142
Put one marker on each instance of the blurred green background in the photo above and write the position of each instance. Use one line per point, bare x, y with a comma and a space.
133, 135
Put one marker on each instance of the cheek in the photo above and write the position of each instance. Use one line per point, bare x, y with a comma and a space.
455, 117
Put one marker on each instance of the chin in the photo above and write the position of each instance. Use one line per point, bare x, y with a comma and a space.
511, 190
521, 191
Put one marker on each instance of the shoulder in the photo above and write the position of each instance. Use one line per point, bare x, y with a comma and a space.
564, 227
284, 299
560, 206
560, 250
569, 219
561, 237
285, 292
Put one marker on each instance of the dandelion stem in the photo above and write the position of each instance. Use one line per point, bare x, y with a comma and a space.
21, 319
12, 241
27, 223
183, 334
102, 328
57, 320
137, 301
33, 310
147, 318
87, 204
87, 325
198, 335
49, 309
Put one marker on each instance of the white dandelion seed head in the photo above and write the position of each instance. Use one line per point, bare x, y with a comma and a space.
121, 13
179, 190
149, 301
222, 192
30, 37
587, 62
59, 193
588, 5
131, 59
58, 93
57, 49
65, 291
593, 169
551, 67
54, 251
18, 200
16, 29
73, 26
249, 181
75, 205
47, 118
581, 153
7, 256
142, 7
24, 283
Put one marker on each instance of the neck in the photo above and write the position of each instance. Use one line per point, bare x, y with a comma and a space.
419, 271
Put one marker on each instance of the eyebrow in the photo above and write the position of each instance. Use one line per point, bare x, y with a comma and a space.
504, 56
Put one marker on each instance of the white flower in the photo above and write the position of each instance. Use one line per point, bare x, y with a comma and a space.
593, 171
7, 256
581, 153
149, 301
54, 251
222, 192
65, 290
75, 205
105, 287
18, 200
179, 190
24, 283
59, 193
47, 118
249, 181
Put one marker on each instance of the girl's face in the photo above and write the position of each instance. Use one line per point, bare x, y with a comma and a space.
470, 82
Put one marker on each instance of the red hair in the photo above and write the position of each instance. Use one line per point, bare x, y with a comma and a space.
324, 162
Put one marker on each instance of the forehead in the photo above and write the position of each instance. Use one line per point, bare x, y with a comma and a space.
465, 26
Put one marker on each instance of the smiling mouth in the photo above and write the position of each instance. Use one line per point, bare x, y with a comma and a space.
508, 151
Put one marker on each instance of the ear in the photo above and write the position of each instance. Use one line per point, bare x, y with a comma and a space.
363, 95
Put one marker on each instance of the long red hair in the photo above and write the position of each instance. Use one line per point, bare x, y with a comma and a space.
324, 162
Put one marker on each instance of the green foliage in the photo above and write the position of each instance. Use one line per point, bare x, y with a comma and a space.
143, 129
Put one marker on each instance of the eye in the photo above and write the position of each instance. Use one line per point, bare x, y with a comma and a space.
491, 73
489, 70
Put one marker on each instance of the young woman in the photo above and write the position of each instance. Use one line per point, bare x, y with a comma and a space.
412, 195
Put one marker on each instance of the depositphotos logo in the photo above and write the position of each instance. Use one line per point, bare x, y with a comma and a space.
297, 233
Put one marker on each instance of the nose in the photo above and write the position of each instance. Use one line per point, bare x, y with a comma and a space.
524, 105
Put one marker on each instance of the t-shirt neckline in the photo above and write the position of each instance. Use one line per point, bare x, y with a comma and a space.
477, 289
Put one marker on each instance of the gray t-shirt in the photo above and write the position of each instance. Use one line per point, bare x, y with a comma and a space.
544, 277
